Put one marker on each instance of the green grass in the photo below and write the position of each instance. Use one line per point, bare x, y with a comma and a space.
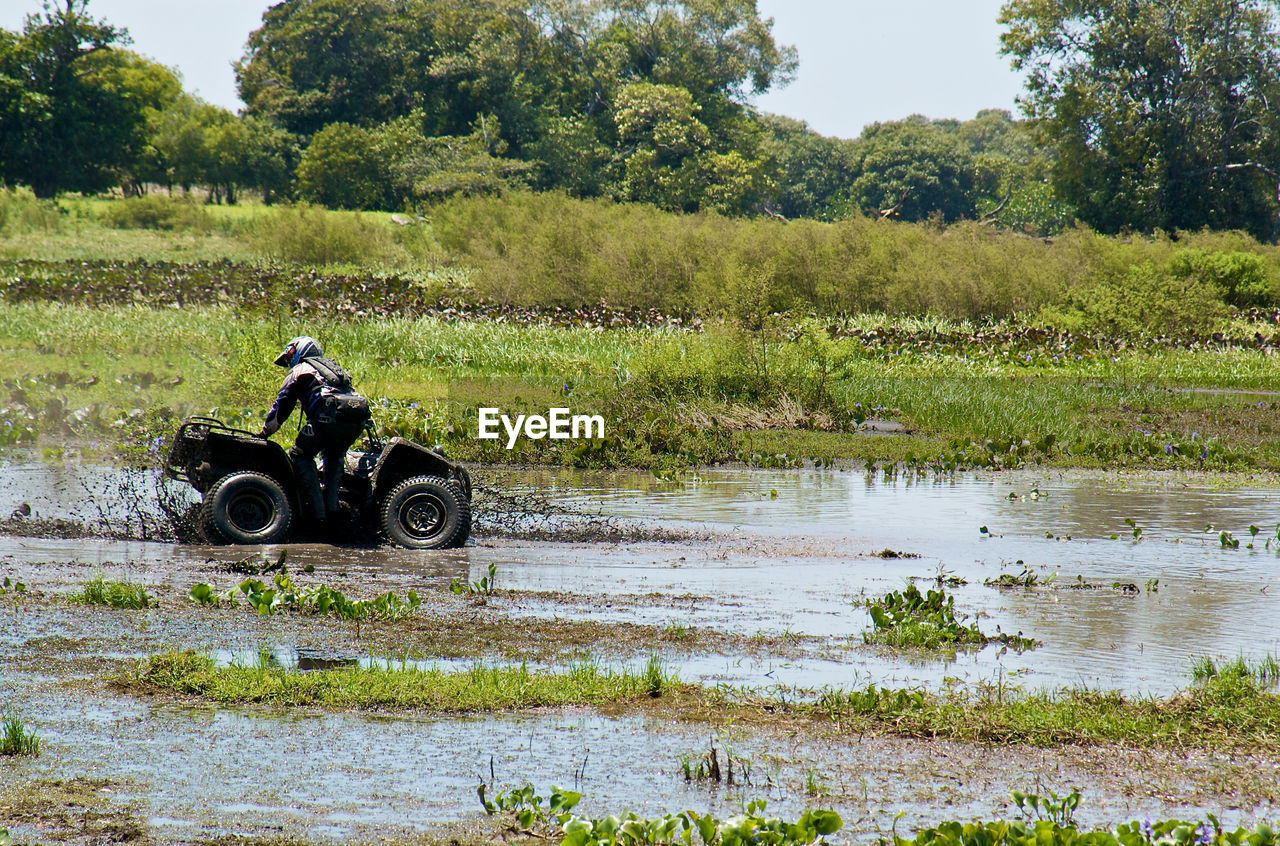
1224, 712
16, 739
114, 594
670, 399
479, 689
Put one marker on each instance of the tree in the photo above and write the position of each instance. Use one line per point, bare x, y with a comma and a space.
340, 169
1161, 112
811, 171
68, 119
551, 73
913, 169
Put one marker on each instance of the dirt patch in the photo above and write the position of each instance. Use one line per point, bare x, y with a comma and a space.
78, 810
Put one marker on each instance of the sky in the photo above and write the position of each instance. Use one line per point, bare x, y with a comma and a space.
861, 61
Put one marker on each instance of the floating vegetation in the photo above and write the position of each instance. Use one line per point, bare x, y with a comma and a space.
114, 594
281, 594
1048, 821
1027, 578
909, 619
10, 586
556, 818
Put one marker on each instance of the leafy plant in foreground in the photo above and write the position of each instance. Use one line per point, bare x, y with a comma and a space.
750, 827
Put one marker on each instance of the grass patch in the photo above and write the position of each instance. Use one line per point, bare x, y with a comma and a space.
115, 594
80, 367
1223, 712
1265, 672
17, 739
479, 689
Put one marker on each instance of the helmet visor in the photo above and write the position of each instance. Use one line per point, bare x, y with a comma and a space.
285, 356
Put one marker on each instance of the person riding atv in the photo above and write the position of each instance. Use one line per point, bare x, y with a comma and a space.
335, 416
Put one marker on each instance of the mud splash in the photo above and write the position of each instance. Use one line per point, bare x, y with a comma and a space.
78, 502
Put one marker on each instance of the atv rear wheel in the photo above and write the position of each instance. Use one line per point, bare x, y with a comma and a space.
426, 512
247, 508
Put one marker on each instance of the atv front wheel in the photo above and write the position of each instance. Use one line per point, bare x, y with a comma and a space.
426, 512
247, 508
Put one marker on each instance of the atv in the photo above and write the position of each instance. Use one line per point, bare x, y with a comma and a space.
397, 490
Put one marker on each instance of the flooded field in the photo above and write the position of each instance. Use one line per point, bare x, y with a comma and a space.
772, 578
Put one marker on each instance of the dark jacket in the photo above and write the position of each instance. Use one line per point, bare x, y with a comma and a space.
306, 384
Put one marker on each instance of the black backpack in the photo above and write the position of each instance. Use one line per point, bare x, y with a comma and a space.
338, 401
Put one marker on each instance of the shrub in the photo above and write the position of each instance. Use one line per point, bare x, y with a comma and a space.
1241, 278
156, 212
20, 211
308, 235
1143, 301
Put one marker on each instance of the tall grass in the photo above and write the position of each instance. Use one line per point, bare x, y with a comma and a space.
549, 248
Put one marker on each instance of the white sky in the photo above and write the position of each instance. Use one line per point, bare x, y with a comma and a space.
860, 60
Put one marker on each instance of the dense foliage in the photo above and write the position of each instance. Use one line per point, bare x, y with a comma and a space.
1142, 115
1161, 115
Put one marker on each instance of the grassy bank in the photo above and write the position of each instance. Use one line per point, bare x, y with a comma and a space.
478, 689
1232, 709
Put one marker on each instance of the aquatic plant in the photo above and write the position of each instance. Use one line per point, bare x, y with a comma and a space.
815, 784
114, 594
281, 594
708, 767
1049, 822
1027, 578
1054, 808
16, 739
912, 620
10, 585
1265, 672
526, 808
483, 588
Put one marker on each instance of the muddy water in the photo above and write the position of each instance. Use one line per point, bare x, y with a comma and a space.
792, 552
796, 561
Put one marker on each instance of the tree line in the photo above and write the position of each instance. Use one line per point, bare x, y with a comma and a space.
1140, 114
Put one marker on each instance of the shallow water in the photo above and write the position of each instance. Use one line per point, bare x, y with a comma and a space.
800, 561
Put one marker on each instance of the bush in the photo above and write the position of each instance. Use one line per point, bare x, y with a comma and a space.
1143, 301
156, 212
1241, 278
20, 211
308, 235
549, 249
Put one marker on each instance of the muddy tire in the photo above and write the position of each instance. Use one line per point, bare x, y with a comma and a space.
246, 508
425, 512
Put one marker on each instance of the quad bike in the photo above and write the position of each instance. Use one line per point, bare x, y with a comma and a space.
405, 493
